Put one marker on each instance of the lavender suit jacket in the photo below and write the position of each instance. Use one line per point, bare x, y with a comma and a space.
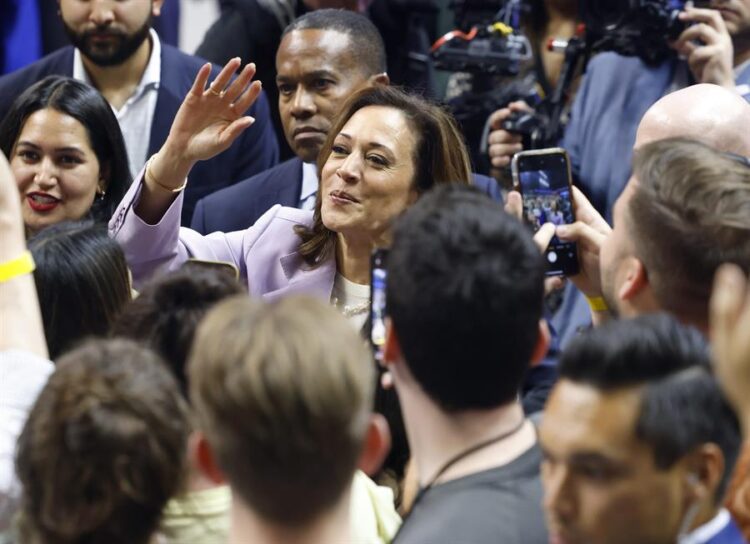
265, 254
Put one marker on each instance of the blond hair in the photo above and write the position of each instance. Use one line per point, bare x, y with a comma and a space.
283, 392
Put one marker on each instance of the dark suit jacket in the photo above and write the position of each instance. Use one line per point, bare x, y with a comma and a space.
239, 206
254, 151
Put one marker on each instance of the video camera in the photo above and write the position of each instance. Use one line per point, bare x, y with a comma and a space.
486, 41
640, 28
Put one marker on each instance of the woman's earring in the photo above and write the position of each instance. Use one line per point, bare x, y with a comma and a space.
100, 193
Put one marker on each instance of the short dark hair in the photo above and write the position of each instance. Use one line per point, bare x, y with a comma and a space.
91, 109
465, 289
690, 213
440, 155
82, 280
168, 309
103, 449
366, 42
682, 405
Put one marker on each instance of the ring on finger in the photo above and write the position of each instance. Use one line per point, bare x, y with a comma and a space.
215, 92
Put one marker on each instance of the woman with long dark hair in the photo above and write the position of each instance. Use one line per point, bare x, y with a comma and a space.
66, 152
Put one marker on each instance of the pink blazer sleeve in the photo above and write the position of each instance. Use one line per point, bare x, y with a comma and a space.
165, 246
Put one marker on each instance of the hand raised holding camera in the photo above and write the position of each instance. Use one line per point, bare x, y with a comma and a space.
707, 46
502, 145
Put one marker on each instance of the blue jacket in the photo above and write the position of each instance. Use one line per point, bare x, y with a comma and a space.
239, 206
615, 93
254, 151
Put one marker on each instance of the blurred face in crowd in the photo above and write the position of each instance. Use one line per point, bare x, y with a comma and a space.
57, 171
736, 15
108, 32
316, 73
601, 483
368, 178
618, 263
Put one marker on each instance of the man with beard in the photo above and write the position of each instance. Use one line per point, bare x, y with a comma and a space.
116, 51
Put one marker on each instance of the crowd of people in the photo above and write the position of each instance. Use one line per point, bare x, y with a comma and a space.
217, 384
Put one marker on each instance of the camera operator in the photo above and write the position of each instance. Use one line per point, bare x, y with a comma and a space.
540, 22
618, 90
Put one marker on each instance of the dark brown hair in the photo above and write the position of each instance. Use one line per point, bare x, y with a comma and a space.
82, 280
103, 449
440, 155
690, 213
283, 392
169, 308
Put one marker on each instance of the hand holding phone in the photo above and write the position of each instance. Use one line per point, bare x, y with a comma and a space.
542, 177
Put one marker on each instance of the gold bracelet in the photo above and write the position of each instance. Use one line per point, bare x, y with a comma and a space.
150, 177
24, 264
597, 304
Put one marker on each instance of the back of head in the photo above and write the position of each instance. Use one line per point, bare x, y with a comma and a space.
682, 404
283, 392
82, 280
167, 311
690, 213
711, 114
91, 109
465, 288
103, 448
366, 42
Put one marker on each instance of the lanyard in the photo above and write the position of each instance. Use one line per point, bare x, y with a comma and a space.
462, 455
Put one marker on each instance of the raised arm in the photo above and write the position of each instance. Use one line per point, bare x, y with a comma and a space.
21, 325
210, 118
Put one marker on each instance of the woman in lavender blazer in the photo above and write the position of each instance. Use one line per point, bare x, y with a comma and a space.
385, 149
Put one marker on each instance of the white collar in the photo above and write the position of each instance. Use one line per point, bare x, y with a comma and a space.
708, 530
151, 76
309, 180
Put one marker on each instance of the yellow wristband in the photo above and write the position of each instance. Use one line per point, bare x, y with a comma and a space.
597, 304
17, 267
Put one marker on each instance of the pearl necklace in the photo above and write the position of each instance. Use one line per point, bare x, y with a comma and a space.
350, 310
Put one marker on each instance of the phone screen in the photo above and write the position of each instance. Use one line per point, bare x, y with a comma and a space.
378, 275
543, 178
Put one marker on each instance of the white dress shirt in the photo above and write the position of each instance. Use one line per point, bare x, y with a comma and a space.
137, 114
309, 186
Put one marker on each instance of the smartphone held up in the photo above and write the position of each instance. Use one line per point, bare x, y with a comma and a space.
378, 274
543, 179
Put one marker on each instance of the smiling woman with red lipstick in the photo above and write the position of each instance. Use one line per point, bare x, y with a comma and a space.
66, 152
383, 151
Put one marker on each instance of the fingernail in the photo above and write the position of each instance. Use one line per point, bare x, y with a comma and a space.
562, 230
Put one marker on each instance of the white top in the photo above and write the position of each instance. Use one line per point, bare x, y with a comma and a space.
708, 530
137, 114
351, 299
309, 186
22, 377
